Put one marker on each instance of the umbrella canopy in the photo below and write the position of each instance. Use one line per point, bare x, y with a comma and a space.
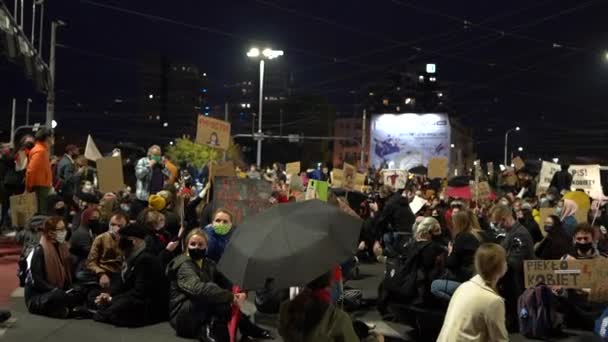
419, 170
291, 243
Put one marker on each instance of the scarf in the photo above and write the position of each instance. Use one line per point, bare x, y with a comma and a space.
57, 263
322, 295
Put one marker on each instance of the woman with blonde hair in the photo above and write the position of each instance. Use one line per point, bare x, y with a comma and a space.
476, 311
460, 256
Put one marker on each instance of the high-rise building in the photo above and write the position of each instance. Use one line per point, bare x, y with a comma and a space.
349, 151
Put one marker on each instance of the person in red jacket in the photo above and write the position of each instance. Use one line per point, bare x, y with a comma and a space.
39, 176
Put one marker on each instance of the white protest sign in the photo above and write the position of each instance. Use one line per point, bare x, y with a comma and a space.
395, 178
547, 171
91, 152
586, 177
416, 204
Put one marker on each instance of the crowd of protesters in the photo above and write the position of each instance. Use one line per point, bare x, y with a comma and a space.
148, 253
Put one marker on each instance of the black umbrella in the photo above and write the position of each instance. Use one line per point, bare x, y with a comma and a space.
419, 170
291, 243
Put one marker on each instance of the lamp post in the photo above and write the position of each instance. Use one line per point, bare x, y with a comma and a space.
262, 55
507, 142
50, 96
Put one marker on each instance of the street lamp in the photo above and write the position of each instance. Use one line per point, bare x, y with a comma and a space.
507, 142
267, 53
50, 96
520, 149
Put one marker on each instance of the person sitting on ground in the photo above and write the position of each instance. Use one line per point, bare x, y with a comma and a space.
460, 256
82, 239
105, 258
142, 297
48, 287
557, 243
310, 316
476, 311
199, 303
219, 233
158, 240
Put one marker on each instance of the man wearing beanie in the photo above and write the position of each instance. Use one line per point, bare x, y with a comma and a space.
143, 295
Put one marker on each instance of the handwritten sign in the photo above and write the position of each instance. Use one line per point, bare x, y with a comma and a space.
23, 208
438, 168
242, 197
586, 177
213, 132
109, 174
547, 170
359, 180
317, 190
293, 168
350, 172
481, 190
337, 178
397, 179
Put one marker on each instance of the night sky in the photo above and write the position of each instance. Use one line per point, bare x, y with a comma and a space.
537, 64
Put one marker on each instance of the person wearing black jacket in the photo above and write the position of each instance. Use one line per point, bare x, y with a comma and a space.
527, 220
396, 217
158, 241
142, 297
557, 243
562, 180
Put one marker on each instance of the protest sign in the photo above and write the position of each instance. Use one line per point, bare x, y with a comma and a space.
91, 152
242, 197
359, 180
544, 213
573, 274
224, 169
293, 168
23, 207
213, 132
395, 178
109, 174
482, 191
438, 168
337, 178
350, 172
416, 204
586, 177
317, 190
547, 171
518, 163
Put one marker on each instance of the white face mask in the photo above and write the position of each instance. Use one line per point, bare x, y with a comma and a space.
60, 236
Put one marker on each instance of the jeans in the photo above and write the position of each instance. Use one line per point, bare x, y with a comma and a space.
443, 288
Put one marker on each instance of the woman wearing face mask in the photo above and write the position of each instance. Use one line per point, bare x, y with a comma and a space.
566, 212
476, 311
219, 232
158, 241
82, 239
556, 243
199, 302
48, 288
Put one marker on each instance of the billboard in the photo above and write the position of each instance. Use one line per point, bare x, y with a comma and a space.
408, 140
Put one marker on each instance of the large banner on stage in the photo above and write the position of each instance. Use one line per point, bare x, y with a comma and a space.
409, 140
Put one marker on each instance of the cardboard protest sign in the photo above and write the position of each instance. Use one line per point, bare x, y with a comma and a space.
573, 274
224, 169
317, 190
349, 176
242, 197
395, 178
519, 163
213, 132
23, 207
109, 174
482, 191
91, 152
416, 204
586, 177
337, 178
359, 180
544, 213
293, 168
547, 171
438, 168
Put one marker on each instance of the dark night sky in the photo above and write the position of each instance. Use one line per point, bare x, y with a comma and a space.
496, 80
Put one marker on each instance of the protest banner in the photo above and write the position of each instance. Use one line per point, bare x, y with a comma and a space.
293, 168
242, 197
438, 168
359, 180
397, 179
224, 169
350, 172
317, 190
109, 174
481, 191
337, 178
547, 170
518, 163
213, 132
586, 177
416, 204
91, 152
23, 207
544, 213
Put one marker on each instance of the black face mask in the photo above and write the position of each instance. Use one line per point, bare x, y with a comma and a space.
95, 226
548, 228
584, 247
437, 238
29, 145
125, 244
60, 211
197, 253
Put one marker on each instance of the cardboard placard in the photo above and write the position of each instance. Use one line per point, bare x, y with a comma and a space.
225, 169
547, 170
350, 172
416, 204
213, 132
359, 180
482, 191
519, 163
397, 179
573, 274
544, 213
293, 168
23, 207
438, 168
242, 197
109, 174
91, 152
317, 190
337, 178
586, 177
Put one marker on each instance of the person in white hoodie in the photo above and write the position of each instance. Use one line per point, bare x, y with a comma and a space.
476, 311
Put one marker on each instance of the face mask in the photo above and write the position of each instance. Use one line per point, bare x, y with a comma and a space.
197, 253
548, 228
125, 244
584, 247
437, 238
221, 228
60, 236
60, 211
94, 226
125, 207
156, 158
113, 229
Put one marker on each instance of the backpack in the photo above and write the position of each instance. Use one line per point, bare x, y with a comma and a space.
404, 276
601, 326
537, 313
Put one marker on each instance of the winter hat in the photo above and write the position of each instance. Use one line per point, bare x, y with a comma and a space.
156, 202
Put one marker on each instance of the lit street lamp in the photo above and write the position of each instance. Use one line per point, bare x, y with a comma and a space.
507, 142
520, 149
262, 55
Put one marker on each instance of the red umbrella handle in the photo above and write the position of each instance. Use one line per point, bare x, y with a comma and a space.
235, 316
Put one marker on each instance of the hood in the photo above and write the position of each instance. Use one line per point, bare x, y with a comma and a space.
174, 264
